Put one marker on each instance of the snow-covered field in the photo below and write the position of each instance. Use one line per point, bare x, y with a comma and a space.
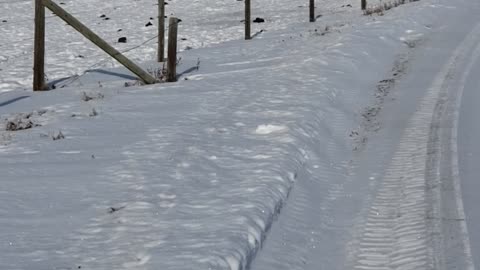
194, 174
204, 23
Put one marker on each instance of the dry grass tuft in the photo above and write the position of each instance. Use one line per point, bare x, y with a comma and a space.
379, 9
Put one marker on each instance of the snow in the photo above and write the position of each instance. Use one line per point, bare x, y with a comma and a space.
268, 129
205, 173
468, 157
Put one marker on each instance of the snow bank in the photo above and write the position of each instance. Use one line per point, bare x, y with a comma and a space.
192, 174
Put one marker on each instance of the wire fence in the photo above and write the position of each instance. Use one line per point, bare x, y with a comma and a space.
14, 1
10, 58
210, 38
107, 58
96, 10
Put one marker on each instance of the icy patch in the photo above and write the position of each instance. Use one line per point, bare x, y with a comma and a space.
268, 129
262, 156
233, 263
69, 152
140, 259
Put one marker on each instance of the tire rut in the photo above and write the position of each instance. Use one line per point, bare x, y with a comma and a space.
405, 225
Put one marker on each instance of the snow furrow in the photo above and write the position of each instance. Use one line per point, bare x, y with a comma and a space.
402, 202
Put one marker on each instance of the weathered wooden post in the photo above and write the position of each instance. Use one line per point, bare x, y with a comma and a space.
39, 48
312, 10
364, 4
248, 20
172, 50
161, 31
90, 35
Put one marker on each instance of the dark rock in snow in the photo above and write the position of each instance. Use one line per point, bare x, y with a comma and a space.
122, 40
58, 136
112, 210
259, 20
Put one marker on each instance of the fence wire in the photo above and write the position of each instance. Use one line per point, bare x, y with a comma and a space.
106, 58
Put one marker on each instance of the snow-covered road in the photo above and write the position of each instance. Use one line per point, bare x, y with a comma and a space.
469, 154
414, 218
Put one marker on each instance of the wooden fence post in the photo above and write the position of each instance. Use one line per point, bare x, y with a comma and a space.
312, 10
172, 50
161, 31
39, 48
364, 4
68, 18
248, 20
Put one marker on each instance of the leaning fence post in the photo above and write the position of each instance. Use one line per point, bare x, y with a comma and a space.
161, 31
312, 10
247, 20
364, 4
172, 50
102, 44
39, 48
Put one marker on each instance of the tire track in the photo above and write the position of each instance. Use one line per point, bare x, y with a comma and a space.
405, 223
446, 191
304, 227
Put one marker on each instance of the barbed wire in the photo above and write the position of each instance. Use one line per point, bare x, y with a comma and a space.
77, 77
106, 58
16, 41
14, 1
50, 17
72, 13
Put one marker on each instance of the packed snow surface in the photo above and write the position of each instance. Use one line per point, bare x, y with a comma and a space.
103, 173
